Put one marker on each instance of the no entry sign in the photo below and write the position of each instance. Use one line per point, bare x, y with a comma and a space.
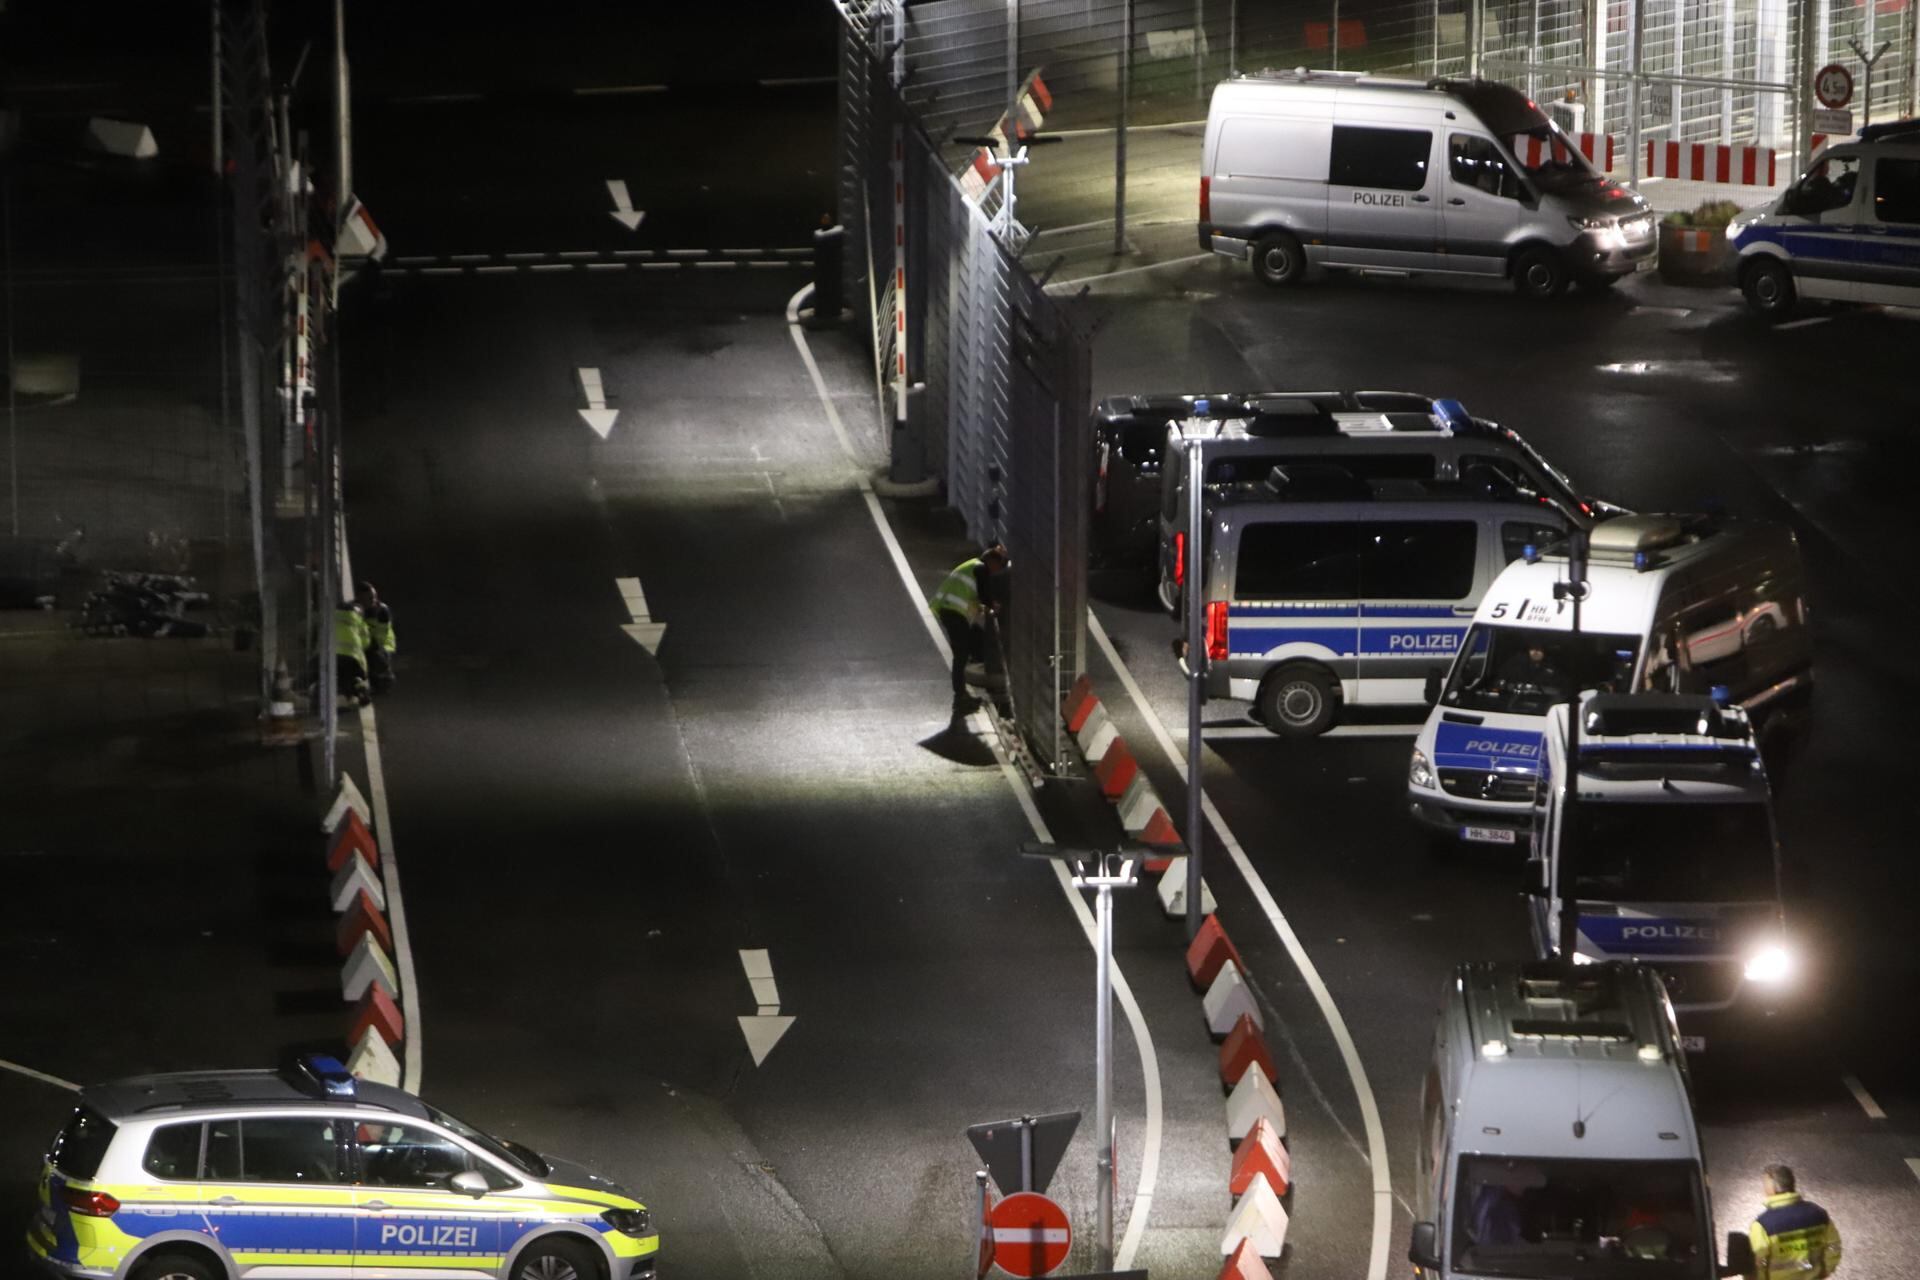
1030, 1234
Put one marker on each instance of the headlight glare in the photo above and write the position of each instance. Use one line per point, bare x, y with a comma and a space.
1420, 773
1591, 224
1771, 965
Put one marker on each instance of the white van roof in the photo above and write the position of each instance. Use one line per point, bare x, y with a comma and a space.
1620, 600
1579, 1064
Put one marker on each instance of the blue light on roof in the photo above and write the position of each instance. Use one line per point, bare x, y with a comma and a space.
1202, 407
1452, 414
1530, 553
329, 1074
1720, 694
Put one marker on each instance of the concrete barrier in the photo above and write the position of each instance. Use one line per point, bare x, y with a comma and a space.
1227, 1001
356, 877
349, 838
121, 138
1116, 769
1210, 949
378, 1012
1243, 1047
1252, 1100
367, 966
1173, 889
1261, 1154
1096, 735
347, 798
362, 919
1138, 805
374, 1059
1079, 704
1245, 1263
1258, 1219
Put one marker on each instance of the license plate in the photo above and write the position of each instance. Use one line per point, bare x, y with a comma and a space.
1694, 1044
1646, 264
1488, 835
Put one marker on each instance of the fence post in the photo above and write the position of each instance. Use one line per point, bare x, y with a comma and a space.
1635, 104
1125, 54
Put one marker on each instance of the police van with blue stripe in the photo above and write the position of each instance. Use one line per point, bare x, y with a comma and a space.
308, 1172
1677, 604
1670, 855
1848, 230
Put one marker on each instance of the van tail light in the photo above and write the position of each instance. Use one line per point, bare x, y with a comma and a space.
94, 1204
1216, 631
1179, 559
1206, 199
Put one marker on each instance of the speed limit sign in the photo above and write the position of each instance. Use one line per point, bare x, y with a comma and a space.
1833, 85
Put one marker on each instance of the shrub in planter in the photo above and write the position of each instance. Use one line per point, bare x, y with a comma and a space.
1693, 243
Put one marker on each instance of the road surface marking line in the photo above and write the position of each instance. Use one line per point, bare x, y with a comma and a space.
789, 82
757, 963
416, 1051
441, 271
1801, 324
415, 260
686, 253
526, 257
469, 257
606, 266
775, 265
1062, 286
1861, 1096
580, 253
658, 266
607, 90
41, 1076
495, 270
633, 253
1349, 1052
1913, 1165
1022, 793
711, 263
553, 266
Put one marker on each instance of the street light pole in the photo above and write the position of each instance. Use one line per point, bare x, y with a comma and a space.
1196, 607
1115, 871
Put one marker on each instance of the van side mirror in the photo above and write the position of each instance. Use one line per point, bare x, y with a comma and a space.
468, 1183
1433, 687
1739, 1255
1424, 1251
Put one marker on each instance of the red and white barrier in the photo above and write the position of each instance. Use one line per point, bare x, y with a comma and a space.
1254, 1099
1242, 1048
373, 1059
1173, 890
1708, 162
1244, 1263
369, 981
1261, 1155
1210, 949
1258, 1220
1227, 1001
1531, 151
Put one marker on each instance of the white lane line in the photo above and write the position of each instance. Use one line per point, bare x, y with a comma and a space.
710, 263
791, 82
553, 266
608, 90
1122, 989
1913, 1165
686, 253
495, 270
441, 271
776, 264
658, 266
579, 253
41, 1076
1062, 286
526, 257
1349, 1052
469, 257
415, 260
633, 253
1861, 1096
416, 1053
606, 266
1801, 324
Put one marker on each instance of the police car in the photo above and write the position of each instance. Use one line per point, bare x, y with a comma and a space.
309, 1172
1675, 863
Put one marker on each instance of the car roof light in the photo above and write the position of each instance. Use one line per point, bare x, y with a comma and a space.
1530, 553
1495, 1048
1452, 414
1202, 407
323, 1074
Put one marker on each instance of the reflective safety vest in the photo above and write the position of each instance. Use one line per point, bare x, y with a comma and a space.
1794, 1237
350, 635
380, 629
959, 592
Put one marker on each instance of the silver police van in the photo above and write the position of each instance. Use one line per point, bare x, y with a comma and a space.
1344, 170
1848, 230
1674, 860
1297, 444
1312, 606
1557, 1137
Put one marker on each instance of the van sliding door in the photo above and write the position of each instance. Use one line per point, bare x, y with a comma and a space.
1417, 599
1381, 205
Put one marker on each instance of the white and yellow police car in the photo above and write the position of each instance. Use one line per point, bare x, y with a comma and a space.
309, 1172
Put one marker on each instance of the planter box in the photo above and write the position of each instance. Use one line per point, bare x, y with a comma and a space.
1689, 255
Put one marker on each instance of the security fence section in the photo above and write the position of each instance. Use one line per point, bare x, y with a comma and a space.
980, 376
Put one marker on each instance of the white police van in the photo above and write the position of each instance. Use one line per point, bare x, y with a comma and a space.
1465, 177
1681, 604
1304, 445
1674, 859
1848, 230
1557, 1137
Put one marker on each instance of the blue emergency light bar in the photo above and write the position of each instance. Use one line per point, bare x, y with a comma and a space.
323, 1074
1452, 415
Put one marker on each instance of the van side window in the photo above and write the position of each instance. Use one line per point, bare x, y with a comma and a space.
1418, 559
1475, 162
1827, 188
1517, 535
1303, 561
1392, 159
1896, 190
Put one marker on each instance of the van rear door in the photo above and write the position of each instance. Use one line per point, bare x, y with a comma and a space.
1381, 209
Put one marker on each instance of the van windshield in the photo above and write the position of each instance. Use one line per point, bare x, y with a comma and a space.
1675, 852
1550, 158
1580, 1218
1525, 670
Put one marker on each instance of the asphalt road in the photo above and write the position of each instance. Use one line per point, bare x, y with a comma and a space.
1661, 399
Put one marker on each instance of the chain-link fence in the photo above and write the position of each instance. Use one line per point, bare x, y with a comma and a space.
999, 374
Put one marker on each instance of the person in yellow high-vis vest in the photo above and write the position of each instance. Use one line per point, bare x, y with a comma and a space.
350, 652
961, 603
1792, 1237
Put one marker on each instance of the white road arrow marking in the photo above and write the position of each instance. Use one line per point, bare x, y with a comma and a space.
763, 1029
623, 211
645, 631
596, 414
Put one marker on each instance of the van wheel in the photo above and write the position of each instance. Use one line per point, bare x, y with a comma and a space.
1297, 702
1539, 273
557, 1260
1278, 260
1768, 287
174, 1266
